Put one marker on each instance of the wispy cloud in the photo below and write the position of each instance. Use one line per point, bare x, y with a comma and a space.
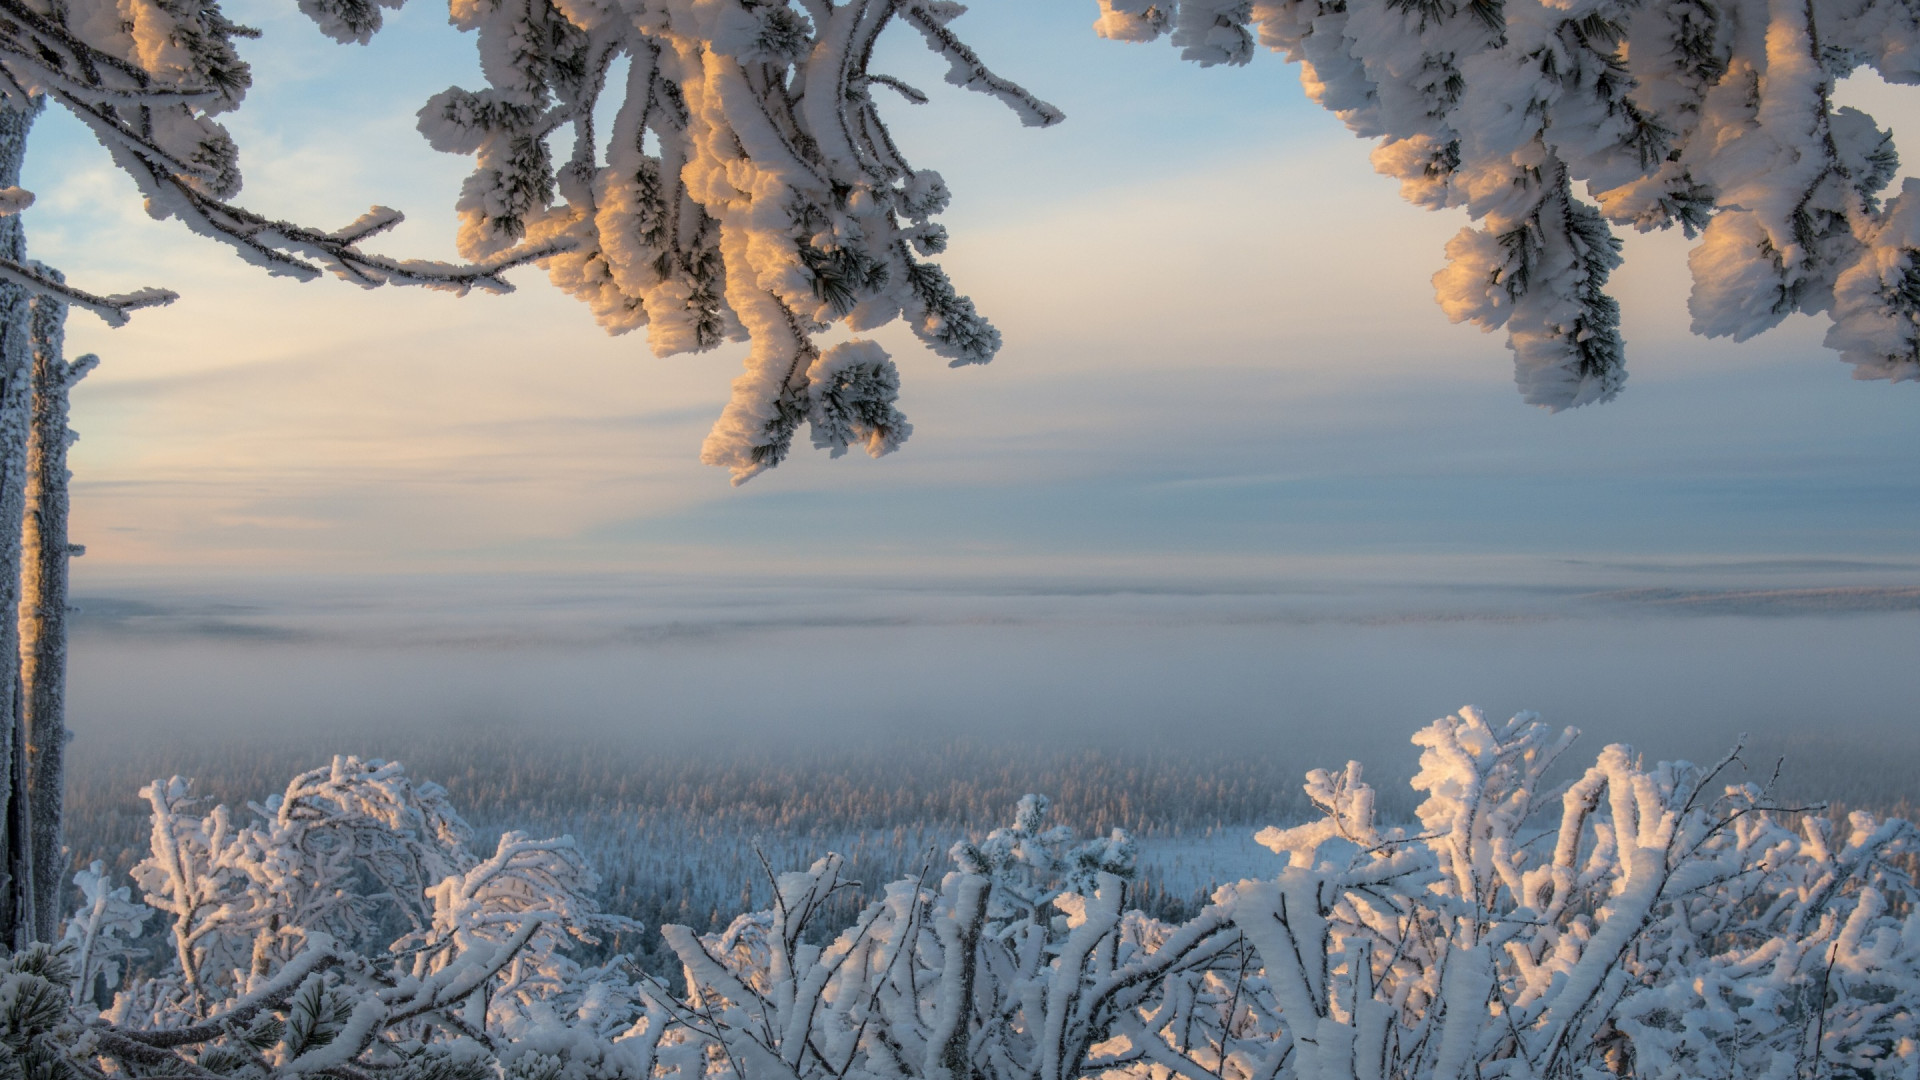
1775, 602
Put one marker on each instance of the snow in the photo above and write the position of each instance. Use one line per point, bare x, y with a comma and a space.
776, 206
1717, 118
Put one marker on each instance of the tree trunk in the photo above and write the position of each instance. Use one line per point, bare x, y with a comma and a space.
43, 607
16, 391
19, 842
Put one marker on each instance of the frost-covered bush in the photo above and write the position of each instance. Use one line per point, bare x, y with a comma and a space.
348, 930
1713, 115
1636, 920
1661, 927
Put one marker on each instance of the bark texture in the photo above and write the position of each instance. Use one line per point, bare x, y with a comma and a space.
16, 394
43, 605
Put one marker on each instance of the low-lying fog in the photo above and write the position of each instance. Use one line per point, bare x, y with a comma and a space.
1816, 662
684, 731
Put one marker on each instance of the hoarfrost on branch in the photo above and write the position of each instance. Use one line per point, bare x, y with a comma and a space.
751, 191
1713, 115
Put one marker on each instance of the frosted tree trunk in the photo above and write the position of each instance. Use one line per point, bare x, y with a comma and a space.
16, 392
43, 604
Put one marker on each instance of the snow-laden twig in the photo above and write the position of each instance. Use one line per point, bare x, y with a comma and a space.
112, 309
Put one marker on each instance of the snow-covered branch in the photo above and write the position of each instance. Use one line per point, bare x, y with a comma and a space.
148, 77
751, 191
1717, 117
1661, 927
114, 310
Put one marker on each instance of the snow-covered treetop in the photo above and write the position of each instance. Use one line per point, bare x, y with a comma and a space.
1715, 115
1032, 866
750, 191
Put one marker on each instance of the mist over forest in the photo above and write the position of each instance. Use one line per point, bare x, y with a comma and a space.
682, 730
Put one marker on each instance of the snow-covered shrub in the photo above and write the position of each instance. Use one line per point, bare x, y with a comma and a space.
974, 976
1660, 927
1713, 115
1635, 920
100, 935
354, 867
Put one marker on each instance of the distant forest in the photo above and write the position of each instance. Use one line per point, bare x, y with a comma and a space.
679, 836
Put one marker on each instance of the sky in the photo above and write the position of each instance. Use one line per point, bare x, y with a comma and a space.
1224, 381
1220, 341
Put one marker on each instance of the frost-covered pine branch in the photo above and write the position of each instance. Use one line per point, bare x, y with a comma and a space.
752, 191
150, 78
1713, 115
